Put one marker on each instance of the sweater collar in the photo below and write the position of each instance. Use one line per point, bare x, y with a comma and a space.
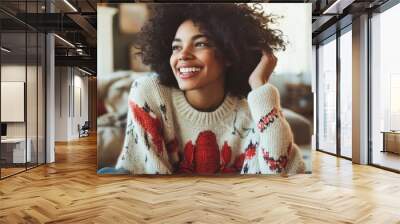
184, 109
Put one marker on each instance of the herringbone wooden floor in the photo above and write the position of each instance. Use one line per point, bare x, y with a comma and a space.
69, 191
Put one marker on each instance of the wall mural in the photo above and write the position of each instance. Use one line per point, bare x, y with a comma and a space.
211, 89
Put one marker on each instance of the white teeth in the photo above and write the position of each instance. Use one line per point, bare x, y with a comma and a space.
188, 69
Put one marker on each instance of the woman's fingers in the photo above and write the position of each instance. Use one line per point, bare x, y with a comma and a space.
263, 70
270, 59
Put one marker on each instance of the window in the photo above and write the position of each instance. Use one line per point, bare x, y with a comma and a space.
346, 93
326, 95
385, 87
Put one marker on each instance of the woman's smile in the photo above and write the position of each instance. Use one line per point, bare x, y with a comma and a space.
186, 73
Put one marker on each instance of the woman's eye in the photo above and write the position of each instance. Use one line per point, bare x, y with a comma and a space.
201, 44
175, 48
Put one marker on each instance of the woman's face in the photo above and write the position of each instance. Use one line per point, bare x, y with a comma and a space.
194, 60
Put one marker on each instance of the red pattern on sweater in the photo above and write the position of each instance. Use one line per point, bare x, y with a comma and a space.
279, 164
238, 164
226, 154
250, 151
265, 121
150, 124
206, 155
186, 165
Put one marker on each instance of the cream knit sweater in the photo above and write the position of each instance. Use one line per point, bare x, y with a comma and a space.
165, 135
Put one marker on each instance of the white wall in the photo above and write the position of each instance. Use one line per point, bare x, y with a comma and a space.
71, 93
61, 103
105, 57
82, 83
294, 64
80, 96
33, 126
12, 73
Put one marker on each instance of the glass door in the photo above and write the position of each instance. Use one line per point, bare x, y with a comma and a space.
13, 103
22, 68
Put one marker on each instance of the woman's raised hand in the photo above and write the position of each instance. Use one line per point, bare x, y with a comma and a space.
263, 70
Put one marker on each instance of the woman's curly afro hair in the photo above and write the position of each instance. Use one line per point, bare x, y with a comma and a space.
239, 32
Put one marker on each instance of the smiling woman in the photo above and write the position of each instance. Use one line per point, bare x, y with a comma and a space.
208, 108
197, 68
238, 33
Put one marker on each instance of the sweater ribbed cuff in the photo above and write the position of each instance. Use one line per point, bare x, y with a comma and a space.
262, 100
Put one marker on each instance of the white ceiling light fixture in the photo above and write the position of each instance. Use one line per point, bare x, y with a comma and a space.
70, 5
5, 50
84, 71
337, 7
65, 41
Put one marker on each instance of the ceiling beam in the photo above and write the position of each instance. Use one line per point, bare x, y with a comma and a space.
337, 7
78, 61
84, 24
